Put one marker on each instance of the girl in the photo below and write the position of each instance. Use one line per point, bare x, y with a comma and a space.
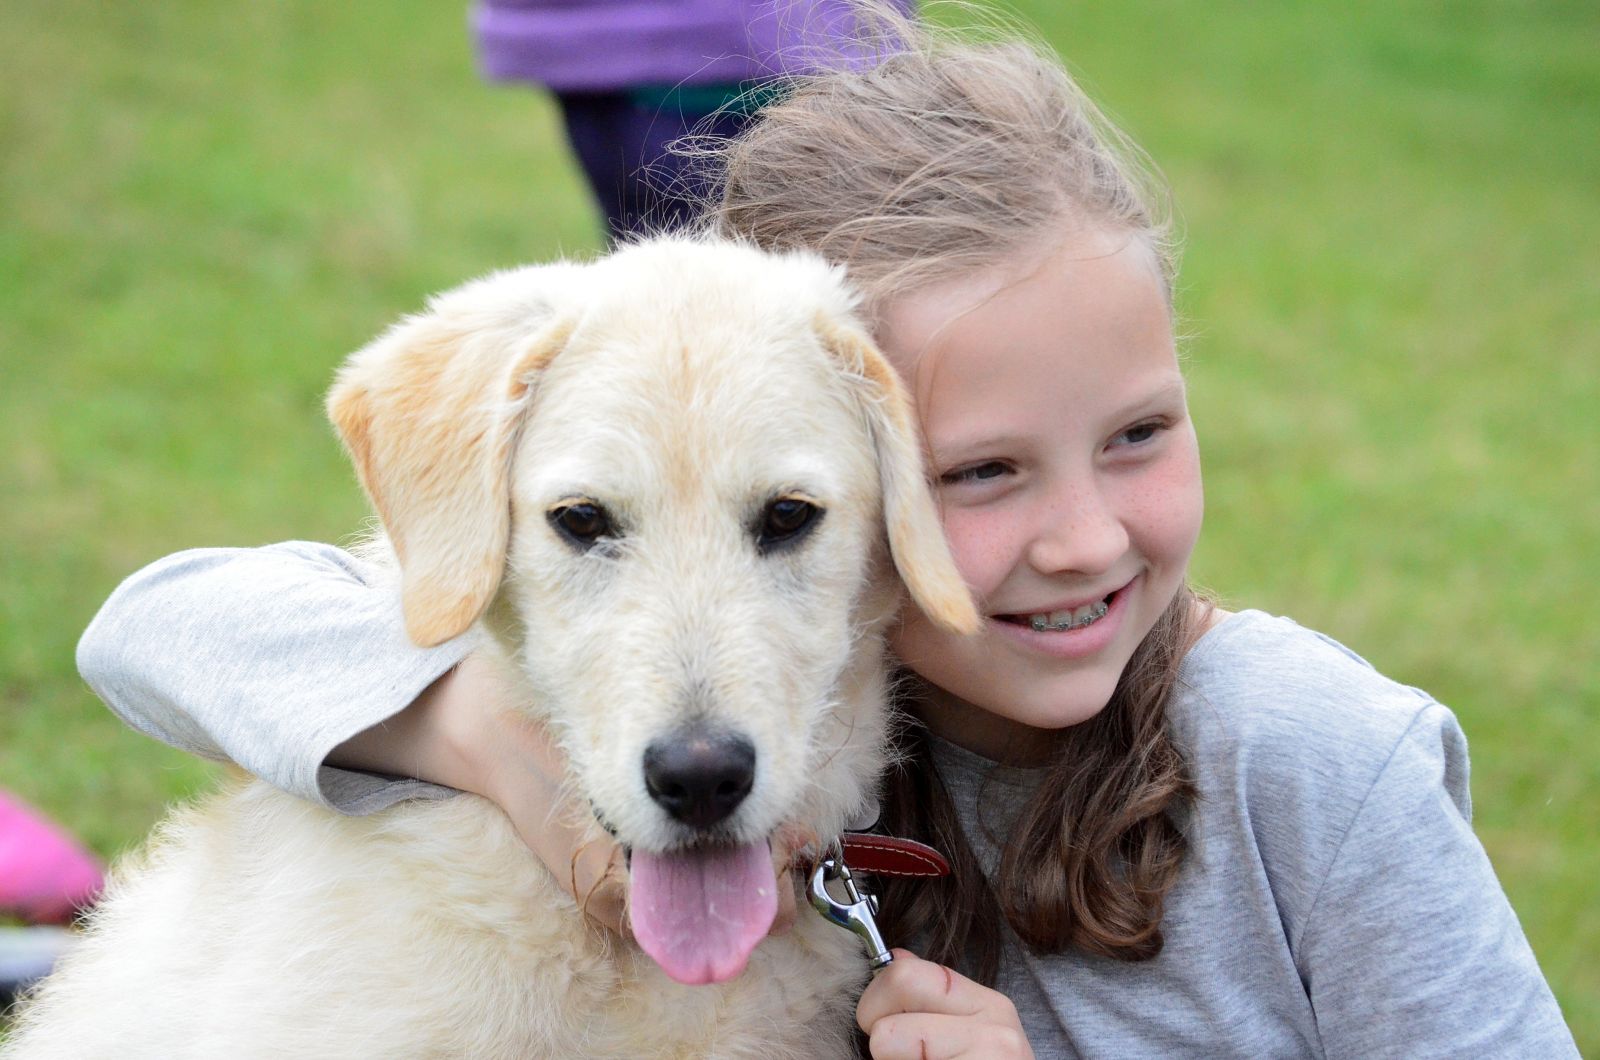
1176, 830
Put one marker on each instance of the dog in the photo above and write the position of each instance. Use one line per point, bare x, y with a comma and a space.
683, 492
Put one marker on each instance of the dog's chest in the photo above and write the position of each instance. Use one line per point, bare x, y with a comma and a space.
536, 980
796, 999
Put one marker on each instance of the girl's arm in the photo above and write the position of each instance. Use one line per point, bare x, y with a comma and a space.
269, 658
462, 732
1411, 947
293, 662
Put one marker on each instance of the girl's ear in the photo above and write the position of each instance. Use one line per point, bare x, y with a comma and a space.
429, 413
916, 538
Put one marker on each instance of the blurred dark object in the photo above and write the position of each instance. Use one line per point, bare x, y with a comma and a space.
26, 955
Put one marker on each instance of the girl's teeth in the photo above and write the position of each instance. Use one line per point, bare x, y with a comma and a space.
1057, 621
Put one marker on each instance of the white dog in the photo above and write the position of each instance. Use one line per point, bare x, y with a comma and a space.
676, 486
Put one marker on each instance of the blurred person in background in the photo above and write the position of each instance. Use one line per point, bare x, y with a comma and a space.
634, 76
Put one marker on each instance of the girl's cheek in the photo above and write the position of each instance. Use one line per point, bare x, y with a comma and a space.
1169, 503
981, 545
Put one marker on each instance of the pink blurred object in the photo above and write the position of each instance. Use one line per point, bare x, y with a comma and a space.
45, 876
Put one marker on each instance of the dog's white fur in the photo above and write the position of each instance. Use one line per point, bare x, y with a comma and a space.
684, 385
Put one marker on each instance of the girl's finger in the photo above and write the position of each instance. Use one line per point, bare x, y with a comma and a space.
788, 906
598, 882
932, 1036
788, 842
911, 984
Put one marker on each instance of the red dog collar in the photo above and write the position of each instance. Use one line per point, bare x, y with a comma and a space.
884, 855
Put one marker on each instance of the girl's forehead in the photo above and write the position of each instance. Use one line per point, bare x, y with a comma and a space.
1094, 303
1076, 269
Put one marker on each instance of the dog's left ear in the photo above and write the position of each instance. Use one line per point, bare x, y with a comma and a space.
429, 412
916, 538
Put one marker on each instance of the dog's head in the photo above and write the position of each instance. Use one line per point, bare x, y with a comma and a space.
679, 483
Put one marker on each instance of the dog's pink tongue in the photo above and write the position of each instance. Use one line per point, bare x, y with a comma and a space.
698, 913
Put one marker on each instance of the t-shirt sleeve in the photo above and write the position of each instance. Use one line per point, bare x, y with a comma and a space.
1411, 947
268, 657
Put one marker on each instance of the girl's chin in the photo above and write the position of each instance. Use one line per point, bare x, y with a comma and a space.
1016, 724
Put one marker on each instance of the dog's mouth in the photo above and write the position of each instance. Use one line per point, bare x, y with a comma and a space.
699, 911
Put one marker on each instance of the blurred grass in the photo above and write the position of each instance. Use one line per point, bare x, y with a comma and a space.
1392, 286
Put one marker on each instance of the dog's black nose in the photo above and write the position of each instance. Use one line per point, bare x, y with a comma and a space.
699, 776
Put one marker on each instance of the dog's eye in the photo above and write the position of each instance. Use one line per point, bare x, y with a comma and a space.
582, 523
785, 521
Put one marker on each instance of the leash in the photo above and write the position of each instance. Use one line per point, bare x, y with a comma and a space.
879, 855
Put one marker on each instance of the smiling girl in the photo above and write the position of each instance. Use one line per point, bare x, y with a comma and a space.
1176, 831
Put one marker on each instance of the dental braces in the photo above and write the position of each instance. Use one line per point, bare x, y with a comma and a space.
1041, 625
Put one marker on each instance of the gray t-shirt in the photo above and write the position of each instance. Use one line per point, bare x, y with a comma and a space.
267, 657
1335, 902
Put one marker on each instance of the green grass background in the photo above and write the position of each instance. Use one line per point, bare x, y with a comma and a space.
1392, 286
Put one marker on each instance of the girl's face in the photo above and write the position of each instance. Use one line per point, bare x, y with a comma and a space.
1069, 478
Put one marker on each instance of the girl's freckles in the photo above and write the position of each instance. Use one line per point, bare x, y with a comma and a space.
984, 534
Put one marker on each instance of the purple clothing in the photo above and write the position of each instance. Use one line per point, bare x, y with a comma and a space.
600, 45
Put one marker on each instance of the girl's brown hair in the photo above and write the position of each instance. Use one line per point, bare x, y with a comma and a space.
947, 157
1090, 859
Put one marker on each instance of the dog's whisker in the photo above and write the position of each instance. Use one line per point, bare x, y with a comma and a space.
849, 721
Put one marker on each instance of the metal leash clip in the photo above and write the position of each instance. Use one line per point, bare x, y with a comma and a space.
859, 915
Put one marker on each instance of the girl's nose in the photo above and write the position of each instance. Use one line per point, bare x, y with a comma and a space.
1082, 534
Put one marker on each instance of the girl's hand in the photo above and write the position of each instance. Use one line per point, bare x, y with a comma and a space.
919, 1010
465, 732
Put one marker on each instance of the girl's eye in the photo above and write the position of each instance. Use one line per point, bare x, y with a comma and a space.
976, 473
1140, 434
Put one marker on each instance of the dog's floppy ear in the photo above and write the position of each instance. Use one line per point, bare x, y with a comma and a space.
916, 539
429, 412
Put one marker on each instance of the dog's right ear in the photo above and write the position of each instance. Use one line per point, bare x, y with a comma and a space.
429, 413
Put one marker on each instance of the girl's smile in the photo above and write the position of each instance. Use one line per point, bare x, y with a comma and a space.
1088, 629
1068, 474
